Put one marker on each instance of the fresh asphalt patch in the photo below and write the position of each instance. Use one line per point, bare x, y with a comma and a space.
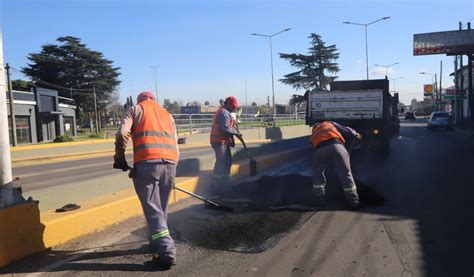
265, 210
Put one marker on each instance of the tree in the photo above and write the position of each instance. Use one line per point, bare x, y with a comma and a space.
172, 107
221, 102
115, 109
70, 64
296, 99
263, 109
314, 68
21, 85
207, 103
254, 104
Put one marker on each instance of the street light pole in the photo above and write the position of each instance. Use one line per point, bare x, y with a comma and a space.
366, 40
394, 79
156, 83
386, 67
271, 64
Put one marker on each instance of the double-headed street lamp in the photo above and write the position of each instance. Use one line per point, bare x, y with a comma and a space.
156, 83
366, 46
386, 67
271, 64
394, 79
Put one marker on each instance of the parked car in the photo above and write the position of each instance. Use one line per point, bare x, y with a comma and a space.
440, 120
410, 116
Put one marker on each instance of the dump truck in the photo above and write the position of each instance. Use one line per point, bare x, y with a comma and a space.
365, 105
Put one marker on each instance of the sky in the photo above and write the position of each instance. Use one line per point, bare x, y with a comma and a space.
205, 52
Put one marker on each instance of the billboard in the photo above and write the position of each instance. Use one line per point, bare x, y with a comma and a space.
428, 89
450, 43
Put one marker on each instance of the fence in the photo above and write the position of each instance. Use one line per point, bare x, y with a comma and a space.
201, 123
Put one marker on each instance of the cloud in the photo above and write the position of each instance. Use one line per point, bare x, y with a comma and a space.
380, 71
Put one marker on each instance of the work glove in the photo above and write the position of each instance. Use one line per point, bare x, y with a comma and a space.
121, 163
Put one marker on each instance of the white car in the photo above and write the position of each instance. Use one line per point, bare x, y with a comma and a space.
440, 120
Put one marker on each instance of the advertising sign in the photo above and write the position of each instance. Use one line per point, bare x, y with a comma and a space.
428, 89
450, 43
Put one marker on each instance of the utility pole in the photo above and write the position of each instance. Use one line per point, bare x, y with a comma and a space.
469, 76
456, 87
246, 98
12, 110
436, 92
156, 82
461, 81
6, 197
268, 104
96, 115
441, 83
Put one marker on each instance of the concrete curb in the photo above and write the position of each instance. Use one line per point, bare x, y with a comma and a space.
99, 213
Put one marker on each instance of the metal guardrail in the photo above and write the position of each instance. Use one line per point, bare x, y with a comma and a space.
201, 123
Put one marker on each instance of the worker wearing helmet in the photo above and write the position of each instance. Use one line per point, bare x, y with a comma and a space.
221, 138
328, 139
155, 156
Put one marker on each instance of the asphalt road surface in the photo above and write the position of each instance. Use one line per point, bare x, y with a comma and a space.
424, 229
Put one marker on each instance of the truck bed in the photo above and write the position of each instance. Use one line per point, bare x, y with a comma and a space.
346, 105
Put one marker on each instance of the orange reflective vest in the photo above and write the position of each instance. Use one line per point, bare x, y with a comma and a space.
324, 131
217, 134
154, 137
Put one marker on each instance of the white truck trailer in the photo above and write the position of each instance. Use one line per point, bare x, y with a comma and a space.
366, 106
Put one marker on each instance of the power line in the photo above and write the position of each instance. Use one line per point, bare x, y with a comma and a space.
55, 85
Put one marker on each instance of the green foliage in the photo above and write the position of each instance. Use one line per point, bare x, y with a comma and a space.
70, 64
315, 68
21, 85
296, 99
254, 104
172, 107
95, 136
64, 138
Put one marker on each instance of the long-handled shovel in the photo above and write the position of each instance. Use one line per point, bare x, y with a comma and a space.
253, 162
207, 203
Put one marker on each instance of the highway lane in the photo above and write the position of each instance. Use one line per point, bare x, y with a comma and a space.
41, 176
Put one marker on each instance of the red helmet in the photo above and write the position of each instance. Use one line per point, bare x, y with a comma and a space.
144, 96
232, 100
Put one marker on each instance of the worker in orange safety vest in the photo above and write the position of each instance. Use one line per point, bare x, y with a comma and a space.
328, 139
221, 138
155, 157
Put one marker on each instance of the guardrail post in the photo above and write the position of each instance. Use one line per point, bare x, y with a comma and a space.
190, 124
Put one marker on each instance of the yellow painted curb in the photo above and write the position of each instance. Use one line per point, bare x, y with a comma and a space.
20, 231
59, 144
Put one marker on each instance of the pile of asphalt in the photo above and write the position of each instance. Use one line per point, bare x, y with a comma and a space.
264, 211
251, 232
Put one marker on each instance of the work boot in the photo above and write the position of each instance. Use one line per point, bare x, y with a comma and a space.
164, 262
